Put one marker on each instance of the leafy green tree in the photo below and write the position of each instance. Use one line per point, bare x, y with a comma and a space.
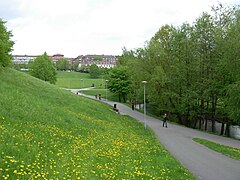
5, 45
43, 68
130, 61
84, 68
233, 102
192, 70
119, 82
206, 47
75, 66
62, 64
229, 69
94, 71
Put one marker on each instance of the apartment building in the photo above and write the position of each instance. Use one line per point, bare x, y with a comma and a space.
103, 61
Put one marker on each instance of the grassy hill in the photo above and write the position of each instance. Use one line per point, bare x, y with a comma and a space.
47, 132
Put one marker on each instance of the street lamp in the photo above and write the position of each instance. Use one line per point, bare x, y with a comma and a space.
144, 103
106, 88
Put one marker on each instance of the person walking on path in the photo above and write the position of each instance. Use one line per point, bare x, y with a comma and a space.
133, 106
165, 120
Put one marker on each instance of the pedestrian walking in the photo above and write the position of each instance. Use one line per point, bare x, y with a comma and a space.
96, 96
165, 118
99, 96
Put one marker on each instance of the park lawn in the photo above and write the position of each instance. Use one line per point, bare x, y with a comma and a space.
49, 133
77, 80
226, 150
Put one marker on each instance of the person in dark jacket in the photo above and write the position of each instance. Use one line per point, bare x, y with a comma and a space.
165, 118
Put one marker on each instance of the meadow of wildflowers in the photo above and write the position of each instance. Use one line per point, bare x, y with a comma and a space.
49, 133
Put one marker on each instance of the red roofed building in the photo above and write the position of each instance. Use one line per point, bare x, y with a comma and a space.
56, 57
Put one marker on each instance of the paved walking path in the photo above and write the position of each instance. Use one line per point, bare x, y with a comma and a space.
201, 161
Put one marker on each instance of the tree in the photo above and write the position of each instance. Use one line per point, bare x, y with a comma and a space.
119, 82
84, 68
94, 71
130, 61
43, 68
233, 102
75, 66
5, 45
229, 71
62, 64
206, 46
192, 70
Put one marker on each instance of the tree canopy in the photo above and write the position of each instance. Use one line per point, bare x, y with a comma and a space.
119, 82
94, 71
62, 64
192, 70
6, 45
43, 68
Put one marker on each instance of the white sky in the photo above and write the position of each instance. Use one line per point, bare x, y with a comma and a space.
74, 27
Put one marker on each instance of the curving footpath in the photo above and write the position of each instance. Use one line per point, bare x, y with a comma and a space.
202, 162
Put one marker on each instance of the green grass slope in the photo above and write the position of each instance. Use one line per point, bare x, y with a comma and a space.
49, 133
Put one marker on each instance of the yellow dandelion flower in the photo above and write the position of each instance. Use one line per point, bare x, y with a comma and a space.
9, 157
13, 160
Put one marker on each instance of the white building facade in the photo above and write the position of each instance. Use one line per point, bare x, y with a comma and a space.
102, 61
23, 59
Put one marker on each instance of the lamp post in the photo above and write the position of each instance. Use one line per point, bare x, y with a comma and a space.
144, 103
106, 88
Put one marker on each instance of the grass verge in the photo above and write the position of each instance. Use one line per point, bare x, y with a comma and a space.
226, 150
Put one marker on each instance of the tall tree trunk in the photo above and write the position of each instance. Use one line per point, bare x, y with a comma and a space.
124, 98
222, 129
227, 130
194, 123
187, 119
201, 113
206, 124
214, 105
179, 118
200, 123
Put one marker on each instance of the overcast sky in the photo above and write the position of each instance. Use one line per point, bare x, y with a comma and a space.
74, 27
